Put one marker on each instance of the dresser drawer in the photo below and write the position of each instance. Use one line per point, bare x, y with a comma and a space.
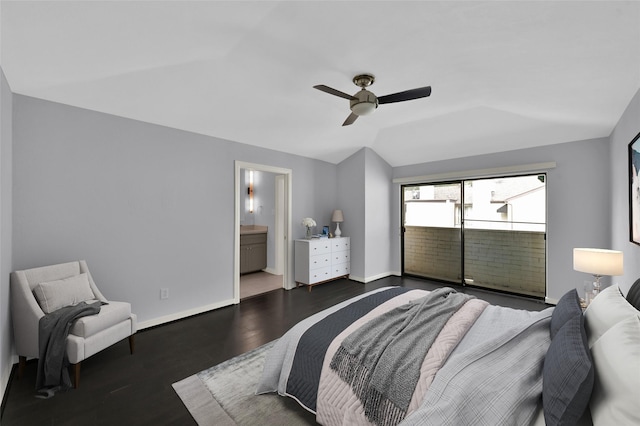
321, 274
319, 247
339, 270
339, 244
320, 261
340, 257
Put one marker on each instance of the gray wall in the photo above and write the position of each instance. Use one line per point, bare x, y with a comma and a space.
578, 212
627, 128
146, 206
378, 211
351, 200
365, 199
6, 348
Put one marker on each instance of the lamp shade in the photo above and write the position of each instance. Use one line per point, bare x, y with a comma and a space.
337, 216
598, 261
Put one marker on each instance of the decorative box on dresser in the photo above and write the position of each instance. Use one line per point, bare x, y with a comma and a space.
319, 260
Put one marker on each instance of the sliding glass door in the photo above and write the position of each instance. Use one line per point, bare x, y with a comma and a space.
505, 234
432, 233
488, 233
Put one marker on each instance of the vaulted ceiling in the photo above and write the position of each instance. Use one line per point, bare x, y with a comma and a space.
504, 74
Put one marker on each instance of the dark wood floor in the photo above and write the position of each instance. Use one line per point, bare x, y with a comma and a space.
117, 388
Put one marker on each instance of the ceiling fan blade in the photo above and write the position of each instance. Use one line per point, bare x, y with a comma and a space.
407, 95
333, 91
350, 119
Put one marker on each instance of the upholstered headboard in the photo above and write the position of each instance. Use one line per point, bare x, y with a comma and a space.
634, 294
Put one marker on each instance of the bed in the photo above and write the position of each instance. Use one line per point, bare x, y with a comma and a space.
414, 357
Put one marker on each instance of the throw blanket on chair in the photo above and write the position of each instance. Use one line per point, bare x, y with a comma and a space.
381, 361
53, 329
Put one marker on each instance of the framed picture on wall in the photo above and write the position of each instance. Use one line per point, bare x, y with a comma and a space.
634, 190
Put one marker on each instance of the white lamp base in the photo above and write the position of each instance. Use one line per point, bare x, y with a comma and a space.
338, 232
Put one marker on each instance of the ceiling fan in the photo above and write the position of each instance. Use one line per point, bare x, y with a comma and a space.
365, 102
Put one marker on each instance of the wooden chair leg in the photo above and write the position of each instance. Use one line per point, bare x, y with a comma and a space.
22, 364
76, 375
132, 344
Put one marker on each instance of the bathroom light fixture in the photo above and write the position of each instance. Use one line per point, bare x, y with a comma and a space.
250, 191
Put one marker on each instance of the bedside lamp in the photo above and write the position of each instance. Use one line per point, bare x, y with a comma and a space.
338, 218
598, 262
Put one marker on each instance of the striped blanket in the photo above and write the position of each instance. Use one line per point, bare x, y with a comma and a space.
299, 365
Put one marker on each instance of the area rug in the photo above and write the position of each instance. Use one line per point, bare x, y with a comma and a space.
224, 395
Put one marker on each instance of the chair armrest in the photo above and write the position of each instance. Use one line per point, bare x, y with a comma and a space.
94, 288
25, 314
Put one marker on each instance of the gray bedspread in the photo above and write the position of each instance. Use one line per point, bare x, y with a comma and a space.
279, 361
492, 377
497, 382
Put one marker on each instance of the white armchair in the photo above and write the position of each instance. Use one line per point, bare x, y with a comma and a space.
56, 283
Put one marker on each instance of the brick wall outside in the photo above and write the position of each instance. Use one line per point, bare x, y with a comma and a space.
432, 252
507, 260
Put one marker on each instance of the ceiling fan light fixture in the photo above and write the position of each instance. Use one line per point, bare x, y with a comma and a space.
364, 103
363, 108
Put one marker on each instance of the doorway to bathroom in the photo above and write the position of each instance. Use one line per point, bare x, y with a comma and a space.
262, 252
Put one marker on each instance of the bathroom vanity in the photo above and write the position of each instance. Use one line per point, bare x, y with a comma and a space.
253, 248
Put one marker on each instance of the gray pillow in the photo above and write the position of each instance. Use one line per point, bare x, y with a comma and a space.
53, 295
568, 307
567, 374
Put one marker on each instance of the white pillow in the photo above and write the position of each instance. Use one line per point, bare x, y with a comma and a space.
606, 310
616, 355
53, 295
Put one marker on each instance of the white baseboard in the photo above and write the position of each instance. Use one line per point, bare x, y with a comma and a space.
184, 314
550, 301
5, 376
272, 271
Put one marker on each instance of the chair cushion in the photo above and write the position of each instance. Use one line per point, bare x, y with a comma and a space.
110, 315
53, 295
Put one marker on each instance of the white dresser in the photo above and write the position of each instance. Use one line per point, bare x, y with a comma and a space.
321, 260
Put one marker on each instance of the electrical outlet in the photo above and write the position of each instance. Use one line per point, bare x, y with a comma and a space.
164, 293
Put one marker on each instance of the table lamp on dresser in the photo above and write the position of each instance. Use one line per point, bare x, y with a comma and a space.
338, 218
